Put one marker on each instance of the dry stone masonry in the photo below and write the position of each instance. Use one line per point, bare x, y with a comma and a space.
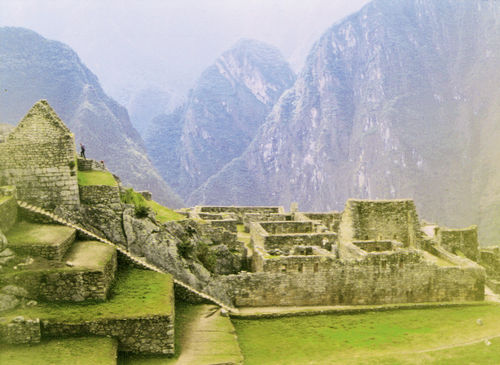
39, 158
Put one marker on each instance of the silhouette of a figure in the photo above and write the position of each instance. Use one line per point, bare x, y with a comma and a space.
82, 151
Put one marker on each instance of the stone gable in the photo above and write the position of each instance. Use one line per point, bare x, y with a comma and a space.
39, 157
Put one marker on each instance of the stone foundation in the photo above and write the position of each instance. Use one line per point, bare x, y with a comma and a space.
20, 331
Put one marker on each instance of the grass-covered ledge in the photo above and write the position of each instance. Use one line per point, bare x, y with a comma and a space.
88, 178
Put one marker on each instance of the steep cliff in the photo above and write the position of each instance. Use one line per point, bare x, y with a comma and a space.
34, 68
397, 100
222, 115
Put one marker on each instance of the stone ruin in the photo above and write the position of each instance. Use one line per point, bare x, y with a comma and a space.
373, 252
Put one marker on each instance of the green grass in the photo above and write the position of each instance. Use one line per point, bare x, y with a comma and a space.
136, 293
184, 314
4, 198
74, 351
163, 214
373, 338
25, 233
86, 178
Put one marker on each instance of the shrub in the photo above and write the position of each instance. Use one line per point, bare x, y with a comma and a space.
141, 211
206, 256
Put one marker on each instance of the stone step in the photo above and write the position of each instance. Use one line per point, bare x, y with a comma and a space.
49, 241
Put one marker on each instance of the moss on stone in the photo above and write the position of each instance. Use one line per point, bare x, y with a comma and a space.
86, 178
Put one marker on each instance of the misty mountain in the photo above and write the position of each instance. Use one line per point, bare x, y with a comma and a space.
224, 110
34, 68
398, 100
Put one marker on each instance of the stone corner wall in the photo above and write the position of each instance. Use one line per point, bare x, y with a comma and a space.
380, 220
8, 213
460, 241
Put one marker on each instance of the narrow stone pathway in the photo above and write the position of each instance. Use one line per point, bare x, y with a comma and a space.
210, 339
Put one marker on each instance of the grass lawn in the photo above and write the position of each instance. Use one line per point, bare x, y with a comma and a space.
74, 351
4, 198
184, 314
25, 233
136, 293
163, 214
393, 337
96, 178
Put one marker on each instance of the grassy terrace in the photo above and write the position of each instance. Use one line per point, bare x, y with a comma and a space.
74, 351
25, 233
137, 293
438, 335
96, 178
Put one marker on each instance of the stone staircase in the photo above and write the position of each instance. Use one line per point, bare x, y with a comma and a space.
136, 260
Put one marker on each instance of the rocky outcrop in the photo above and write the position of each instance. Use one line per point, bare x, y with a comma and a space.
222, 115
396, 101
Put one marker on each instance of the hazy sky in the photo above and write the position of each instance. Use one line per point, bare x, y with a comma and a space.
133, 44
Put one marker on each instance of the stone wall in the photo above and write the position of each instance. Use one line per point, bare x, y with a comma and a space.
398, 277
8, 213
100, 194
39, 158
378, 246
90, 165
287, 227
65, 284
19, 331
49, 252
460, 241
286, 242
331, 220
239, 211
380, 220
149, 335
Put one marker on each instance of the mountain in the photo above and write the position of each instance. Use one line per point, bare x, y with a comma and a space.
224, 110
34, 68
398, 100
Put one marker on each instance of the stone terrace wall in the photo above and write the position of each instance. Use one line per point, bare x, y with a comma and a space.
39, 158
376, 279
8, 213
463, 240
377, 246
74, 285
49, 252
240, 211
90, 165
100, 194
380, 220
151, 335
20, 330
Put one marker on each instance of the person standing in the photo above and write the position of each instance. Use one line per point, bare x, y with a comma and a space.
82, 151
